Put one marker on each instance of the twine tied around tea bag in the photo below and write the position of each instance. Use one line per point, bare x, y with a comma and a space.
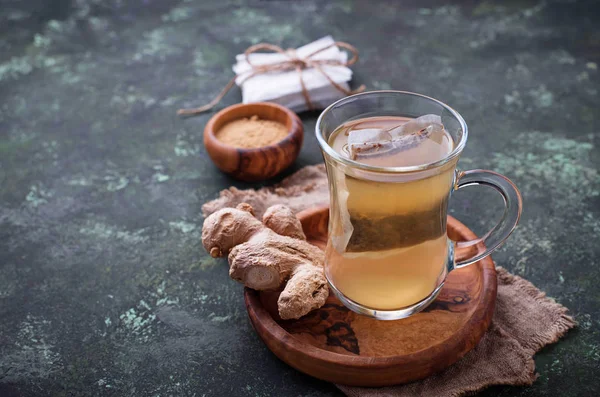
291, 62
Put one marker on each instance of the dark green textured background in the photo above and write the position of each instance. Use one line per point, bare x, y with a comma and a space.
104, 286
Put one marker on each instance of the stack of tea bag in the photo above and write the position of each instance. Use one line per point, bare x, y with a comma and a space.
284, 87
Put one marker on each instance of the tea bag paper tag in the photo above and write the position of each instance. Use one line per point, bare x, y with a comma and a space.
367, 141
429, 122
343, 230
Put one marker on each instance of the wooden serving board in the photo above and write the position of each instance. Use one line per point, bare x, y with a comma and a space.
338, 345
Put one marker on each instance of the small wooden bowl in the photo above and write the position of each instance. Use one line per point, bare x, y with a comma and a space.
258, 163
337, 345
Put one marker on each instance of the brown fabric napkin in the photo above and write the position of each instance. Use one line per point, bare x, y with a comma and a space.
525, 320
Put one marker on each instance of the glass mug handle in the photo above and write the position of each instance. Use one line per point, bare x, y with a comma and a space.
467, 252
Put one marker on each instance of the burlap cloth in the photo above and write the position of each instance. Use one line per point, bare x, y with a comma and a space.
525, 320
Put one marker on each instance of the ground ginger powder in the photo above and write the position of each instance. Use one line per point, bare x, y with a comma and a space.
248, 133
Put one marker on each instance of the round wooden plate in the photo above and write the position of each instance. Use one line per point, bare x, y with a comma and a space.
338, 345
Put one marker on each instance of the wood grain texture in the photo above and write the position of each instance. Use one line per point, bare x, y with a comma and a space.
338, 345
259, 163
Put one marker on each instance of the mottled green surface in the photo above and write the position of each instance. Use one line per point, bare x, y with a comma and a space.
104, 286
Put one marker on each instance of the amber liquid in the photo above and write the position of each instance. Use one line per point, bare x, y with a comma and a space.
388, 246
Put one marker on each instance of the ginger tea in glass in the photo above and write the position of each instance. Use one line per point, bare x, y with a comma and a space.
391, 164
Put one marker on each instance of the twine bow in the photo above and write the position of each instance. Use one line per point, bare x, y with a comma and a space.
293, 62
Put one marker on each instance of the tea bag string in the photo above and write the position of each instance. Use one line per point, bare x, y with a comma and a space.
294, 62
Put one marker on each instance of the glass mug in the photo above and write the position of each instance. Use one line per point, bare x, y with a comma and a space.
388, 253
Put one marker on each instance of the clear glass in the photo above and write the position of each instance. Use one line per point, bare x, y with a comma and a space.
388, 253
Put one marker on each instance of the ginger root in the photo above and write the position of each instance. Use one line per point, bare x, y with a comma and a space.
264, 255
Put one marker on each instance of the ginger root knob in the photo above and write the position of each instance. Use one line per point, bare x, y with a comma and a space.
305, 291
281, 220
265, 255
